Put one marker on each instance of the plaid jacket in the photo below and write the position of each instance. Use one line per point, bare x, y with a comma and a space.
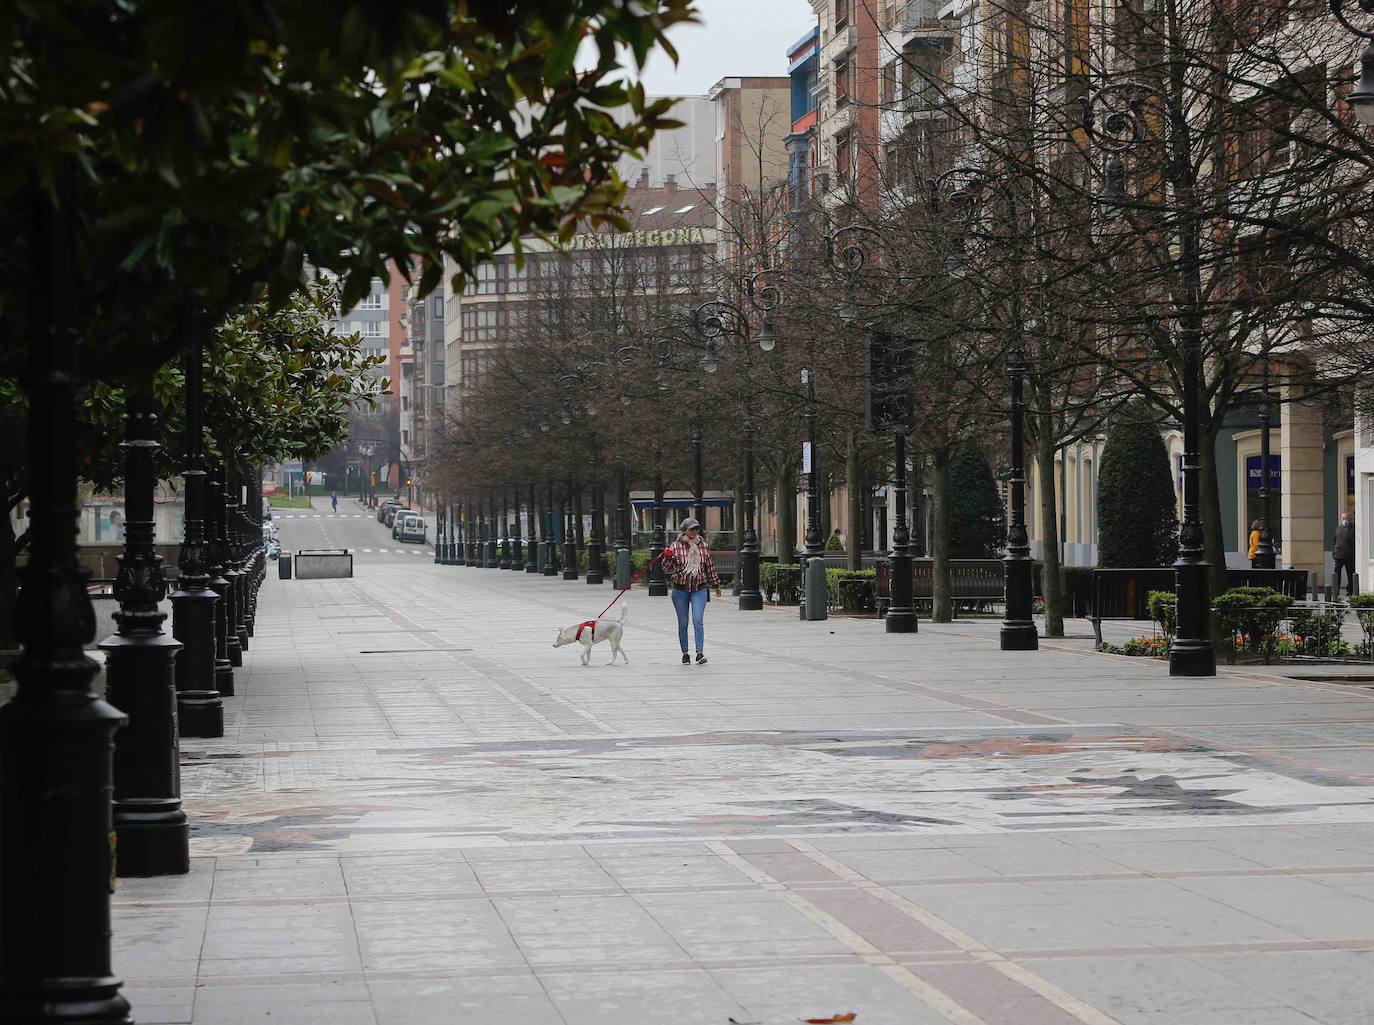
675, 565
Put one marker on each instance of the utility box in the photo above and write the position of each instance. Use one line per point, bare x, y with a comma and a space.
284, 566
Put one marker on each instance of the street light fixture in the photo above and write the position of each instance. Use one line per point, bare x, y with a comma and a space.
1361, 97
1118, 129
713, 320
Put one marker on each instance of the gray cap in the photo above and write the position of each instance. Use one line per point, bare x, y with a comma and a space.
689, 523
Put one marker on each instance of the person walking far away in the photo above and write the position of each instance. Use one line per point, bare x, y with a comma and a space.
334, 501
1254, 541
687, 563
1343, 554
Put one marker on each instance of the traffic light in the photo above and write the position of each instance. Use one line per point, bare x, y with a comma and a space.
408, 482
374, 478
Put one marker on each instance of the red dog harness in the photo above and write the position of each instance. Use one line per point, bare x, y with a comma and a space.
591, 623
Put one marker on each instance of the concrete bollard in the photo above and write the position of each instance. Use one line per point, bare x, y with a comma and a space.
623, 568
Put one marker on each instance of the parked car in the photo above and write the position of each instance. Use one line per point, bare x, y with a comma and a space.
386, 505
409, 527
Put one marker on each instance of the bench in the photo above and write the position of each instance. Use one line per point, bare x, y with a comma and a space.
323, 564
975, 582
1125, 593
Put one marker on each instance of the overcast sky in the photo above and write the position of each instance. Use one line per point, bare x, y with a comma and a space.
735, 37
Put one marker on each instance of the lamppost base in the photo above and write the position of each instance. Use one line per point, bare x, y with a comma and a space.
751, 601
200, 713
154, 838
657, 589
900, 621
80, 1001
1192, 656
224, 678
1018, 635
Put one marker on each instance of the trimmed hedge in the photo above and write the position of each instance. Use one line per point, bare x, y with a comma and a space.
1136, 510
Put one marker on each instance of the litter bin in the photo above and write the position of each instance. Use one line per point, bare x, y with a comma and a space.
284, 566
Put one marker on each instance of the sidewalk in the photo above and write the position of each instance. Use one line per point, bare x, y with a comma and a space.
421, 812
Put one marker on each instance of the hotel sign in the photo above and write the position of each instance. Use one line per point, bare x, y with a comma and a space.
638, 239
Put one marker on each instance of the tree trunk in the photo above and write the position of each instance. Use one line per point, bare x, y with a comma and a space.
853, 542
1052, 580
941, 610
8, 582
786, 498
1213, 537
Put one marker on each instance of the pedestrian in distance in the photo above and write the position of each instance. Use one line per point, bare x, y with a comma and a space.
1343, 554
1254, 541
334, 500
688, 565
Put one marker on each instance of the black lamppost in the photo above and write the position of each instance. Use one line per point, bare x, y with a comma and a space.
1361, 97
493, 555
549, 534
714, 320
698, 476
471, 534
594, 539
570, 568
622, 528
517, 551
140, 677
815, 547
1265, 556
531, 549
658, 582
200, 711
224, 667
505, 539
1018, 628
901, 610
439, 538
1123, 128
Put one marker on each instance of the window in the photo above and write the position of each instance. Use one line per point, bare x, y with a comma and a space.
843, 80
405, 438
436, 306
841, 13
405, 403
844, 158
490, 278
483, 322
373, 329
889, 84
371, 302
1263, 268
472, 369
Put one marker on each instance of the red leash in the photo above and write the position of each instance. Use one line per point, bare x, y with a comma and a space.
628, 586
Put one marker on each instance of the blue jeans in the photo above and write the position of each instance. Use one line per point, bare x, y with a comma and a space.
696, 600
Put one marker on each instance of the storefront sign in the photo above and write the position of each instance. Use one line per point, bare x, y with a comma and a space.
637, 239
1253, 475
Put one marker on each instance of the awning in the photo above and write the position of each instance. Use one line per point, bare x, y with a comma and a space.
682, 503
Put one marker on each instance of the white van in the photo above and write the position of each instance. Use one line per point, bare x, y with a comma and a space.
409, 526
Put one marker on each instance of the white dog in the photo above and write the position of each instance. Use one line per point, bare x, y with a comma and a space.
594, 631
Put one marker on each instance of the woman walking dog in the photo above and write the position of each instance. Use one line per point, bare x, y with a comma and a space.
687, 563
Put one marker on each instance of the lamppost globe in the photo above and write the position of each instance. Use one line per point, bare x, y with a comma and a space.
565, 417
1361, 98
767, 338
710, 359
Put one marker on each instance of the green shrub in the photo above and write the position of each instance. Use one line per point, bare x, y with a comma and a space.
1136, 511
780, 581
1108, 648
1363, 604
1249, 618
1316, 634
1164, 610
719, 542
851, 590
834, 543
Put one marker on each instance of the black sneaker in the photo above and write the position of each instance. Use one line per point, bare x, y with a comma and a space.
686, 659
701, 659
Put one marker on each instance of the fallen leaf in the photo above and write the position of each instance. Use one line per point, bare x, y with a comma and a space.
838, 1019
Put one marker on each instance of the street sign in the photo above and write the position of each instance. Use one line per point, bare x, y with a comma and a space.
806, 457
1253, 475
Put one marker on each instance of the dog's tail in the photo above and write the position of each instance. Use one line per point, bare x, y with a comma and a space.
624, 610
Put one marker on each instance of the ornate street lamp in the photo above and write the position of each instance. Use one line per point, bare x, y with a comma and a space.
547, 533
1018, 628
1114, 118
658, 581
594, 538
532, 548
1265, 556
570, 567
1361, 97
713, 320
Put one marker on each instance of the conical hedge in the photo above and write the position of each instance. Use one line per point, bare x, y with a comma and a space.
1137, 518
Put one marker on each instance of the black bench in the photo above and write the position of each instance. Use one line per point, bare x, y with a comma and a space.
976, 582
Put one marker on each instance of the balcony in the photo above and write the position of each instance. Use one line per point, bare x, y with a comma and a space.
921, 18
